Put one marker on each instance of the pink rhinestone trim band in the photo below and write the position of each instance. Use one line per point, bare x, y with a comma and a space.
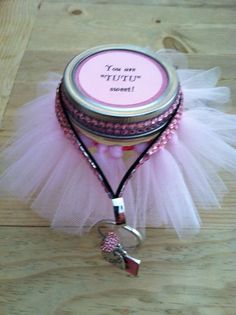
118, 129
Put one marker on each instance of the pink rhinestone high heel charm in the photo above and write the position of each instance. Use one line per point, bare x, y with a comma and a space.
114, 252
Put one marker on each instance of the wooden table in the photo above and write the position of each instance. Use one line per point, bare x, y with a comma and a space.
44, 272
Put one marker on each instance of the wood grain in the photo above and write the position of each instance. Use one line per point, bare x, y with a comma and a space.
16, 22
189, 31
227, 4
43, 272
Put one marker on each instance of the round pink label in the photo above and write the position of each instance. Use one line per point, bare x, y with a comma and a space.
121, 78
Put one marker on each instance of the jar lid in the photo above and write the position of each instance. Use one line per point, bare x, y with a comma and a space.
119, 93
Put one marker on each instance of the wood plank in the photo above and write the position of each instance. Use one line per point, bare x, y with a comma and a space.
16, 22
36, 65
14, 212
43, 272
229, 4
113, 13
85, 26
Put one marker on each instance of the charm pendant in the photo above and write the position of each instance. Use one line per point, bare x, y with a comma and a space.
114, 252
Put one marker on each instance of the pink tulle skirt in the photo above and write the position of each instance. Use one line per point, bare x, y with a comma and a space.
44, 168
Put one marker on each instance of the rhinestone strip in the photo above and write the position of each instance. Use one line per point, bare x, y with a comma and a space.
68, 132
119, 129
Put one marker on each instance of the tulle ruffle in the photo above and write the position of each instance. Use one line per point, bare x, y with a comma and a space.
43, 166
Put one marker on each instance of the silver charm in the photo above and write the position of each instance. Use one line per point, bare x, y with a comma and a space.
115, 253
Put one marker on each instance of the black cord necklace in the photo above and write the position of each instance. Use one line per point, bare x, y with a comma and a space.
111, 247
